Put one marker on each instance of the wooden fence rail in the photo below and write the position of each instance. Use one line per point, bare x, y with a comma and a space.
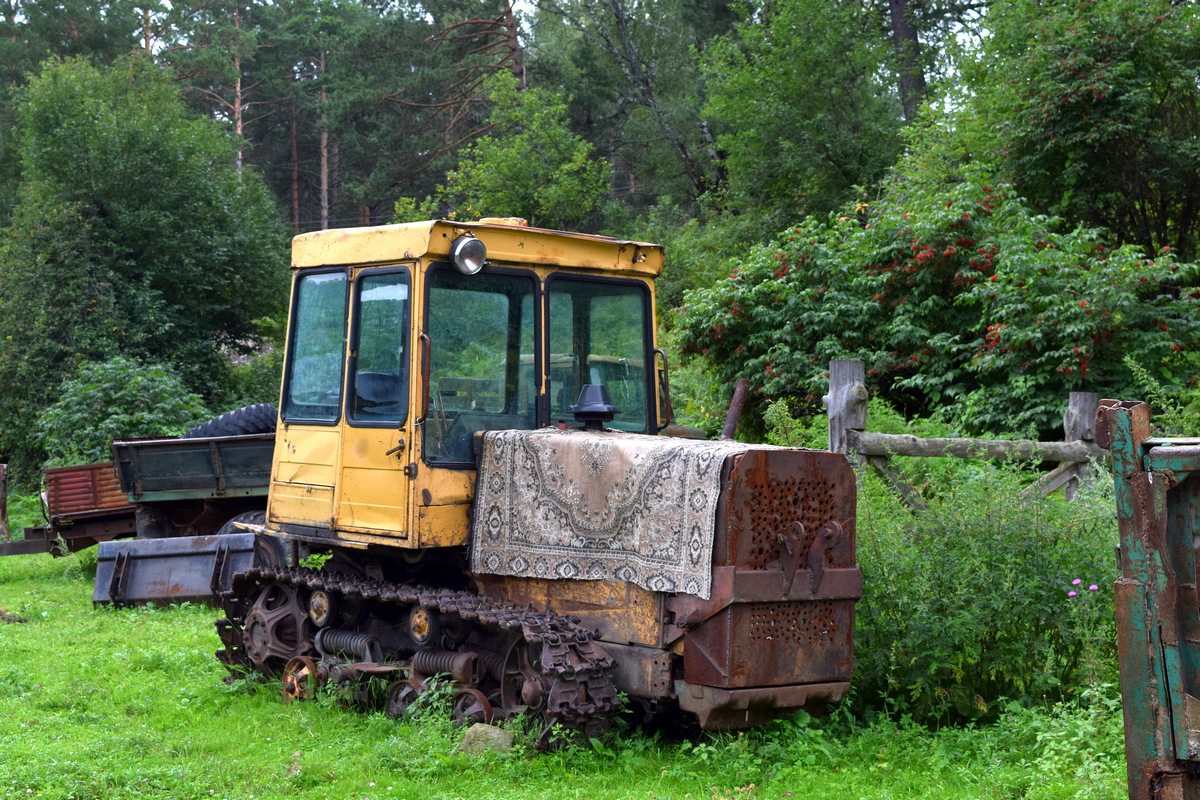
846, 406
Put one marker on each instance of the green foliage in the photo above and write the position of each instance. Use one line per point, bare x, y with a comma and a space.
803, 114
1092, 109
784, 430
114, 399
696, 247
1078, 745
530, 165
24, 511
969, 602
255, 380
955, 296
315, 561
1176, 409
135, 235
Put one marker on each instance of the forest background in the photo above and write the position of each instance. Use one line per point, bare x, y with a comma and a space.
990, 204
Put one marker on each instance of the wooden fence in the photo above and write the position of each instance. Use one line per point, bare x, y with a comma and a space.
846, 406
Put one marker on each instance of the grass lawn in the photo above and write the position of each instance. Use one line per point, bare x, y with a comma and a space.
102, 703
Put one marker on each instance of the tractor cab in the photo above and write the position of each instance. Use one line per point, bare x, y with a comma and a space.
407, 340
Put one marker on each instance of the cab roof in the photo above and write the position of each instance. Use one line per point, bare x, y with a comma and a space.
507, 242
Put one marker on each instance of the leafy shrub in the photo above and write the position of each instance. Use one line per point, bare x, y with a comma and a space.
1094, 108
24, 511
1176, 409
970, 603
115, 399
958, 298
255, 380
1079, 743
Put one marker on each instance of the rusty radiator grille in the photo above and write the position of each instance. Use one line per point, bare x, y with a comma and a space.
811, 624
776, 506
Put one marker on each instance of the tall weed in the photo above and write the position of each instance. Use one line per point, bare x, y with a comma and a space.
1176, 408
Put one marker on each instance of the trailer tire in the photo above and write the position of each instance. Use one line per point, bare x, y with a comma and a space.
269, 551
258, 418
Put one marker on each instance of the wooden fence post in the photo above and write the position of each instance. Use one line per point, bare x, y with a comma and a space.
1079, 420
846, 407
1079, 424
4, 534
846, 403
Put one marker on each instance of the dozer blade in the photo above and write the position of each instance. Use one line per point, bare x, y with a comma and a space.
176, 570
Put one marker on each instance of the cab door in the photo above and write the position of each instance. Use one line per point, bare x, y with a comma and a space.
373, 483
308, 443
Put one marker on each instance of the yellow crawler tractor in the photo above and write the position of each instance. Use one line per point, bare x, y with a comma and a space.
469, 481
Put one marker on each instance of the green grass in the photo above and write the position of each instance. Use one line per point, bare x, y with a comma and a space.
131, 704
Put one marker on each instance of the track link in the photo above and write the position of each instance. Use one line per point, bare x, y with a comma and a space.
574, 667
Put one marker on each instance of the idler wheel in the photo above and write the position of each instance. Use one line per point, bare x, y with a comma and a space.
521, 686
400, 698
322, 608
423, 626
277, 628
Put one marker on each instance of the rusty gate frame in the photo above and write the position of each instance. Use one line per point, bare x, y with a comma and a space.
1157, 605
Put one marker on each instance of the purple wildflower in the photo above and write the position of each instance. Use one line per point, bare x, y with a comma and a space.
1093, 588
1072, 594
1077, 581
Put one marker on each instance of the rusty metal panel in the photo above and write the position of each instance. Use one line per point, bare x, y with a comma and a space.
87, 489
772, 644
641, 671
771, 491
620, 612
734, 709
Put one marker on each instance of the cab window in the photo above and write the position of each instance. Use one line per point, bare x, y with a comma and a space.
313, 375
481, 333
378, 371
599, 333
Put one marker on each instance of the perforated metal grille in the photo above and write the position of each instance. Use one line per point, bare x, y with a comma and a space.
777, 506
811, 624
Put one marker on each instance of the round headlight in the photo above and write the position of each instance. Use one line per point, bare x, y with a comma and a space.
468, 254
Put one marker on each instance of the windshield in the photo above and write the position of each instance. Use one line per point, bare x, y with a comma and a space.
479, 328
